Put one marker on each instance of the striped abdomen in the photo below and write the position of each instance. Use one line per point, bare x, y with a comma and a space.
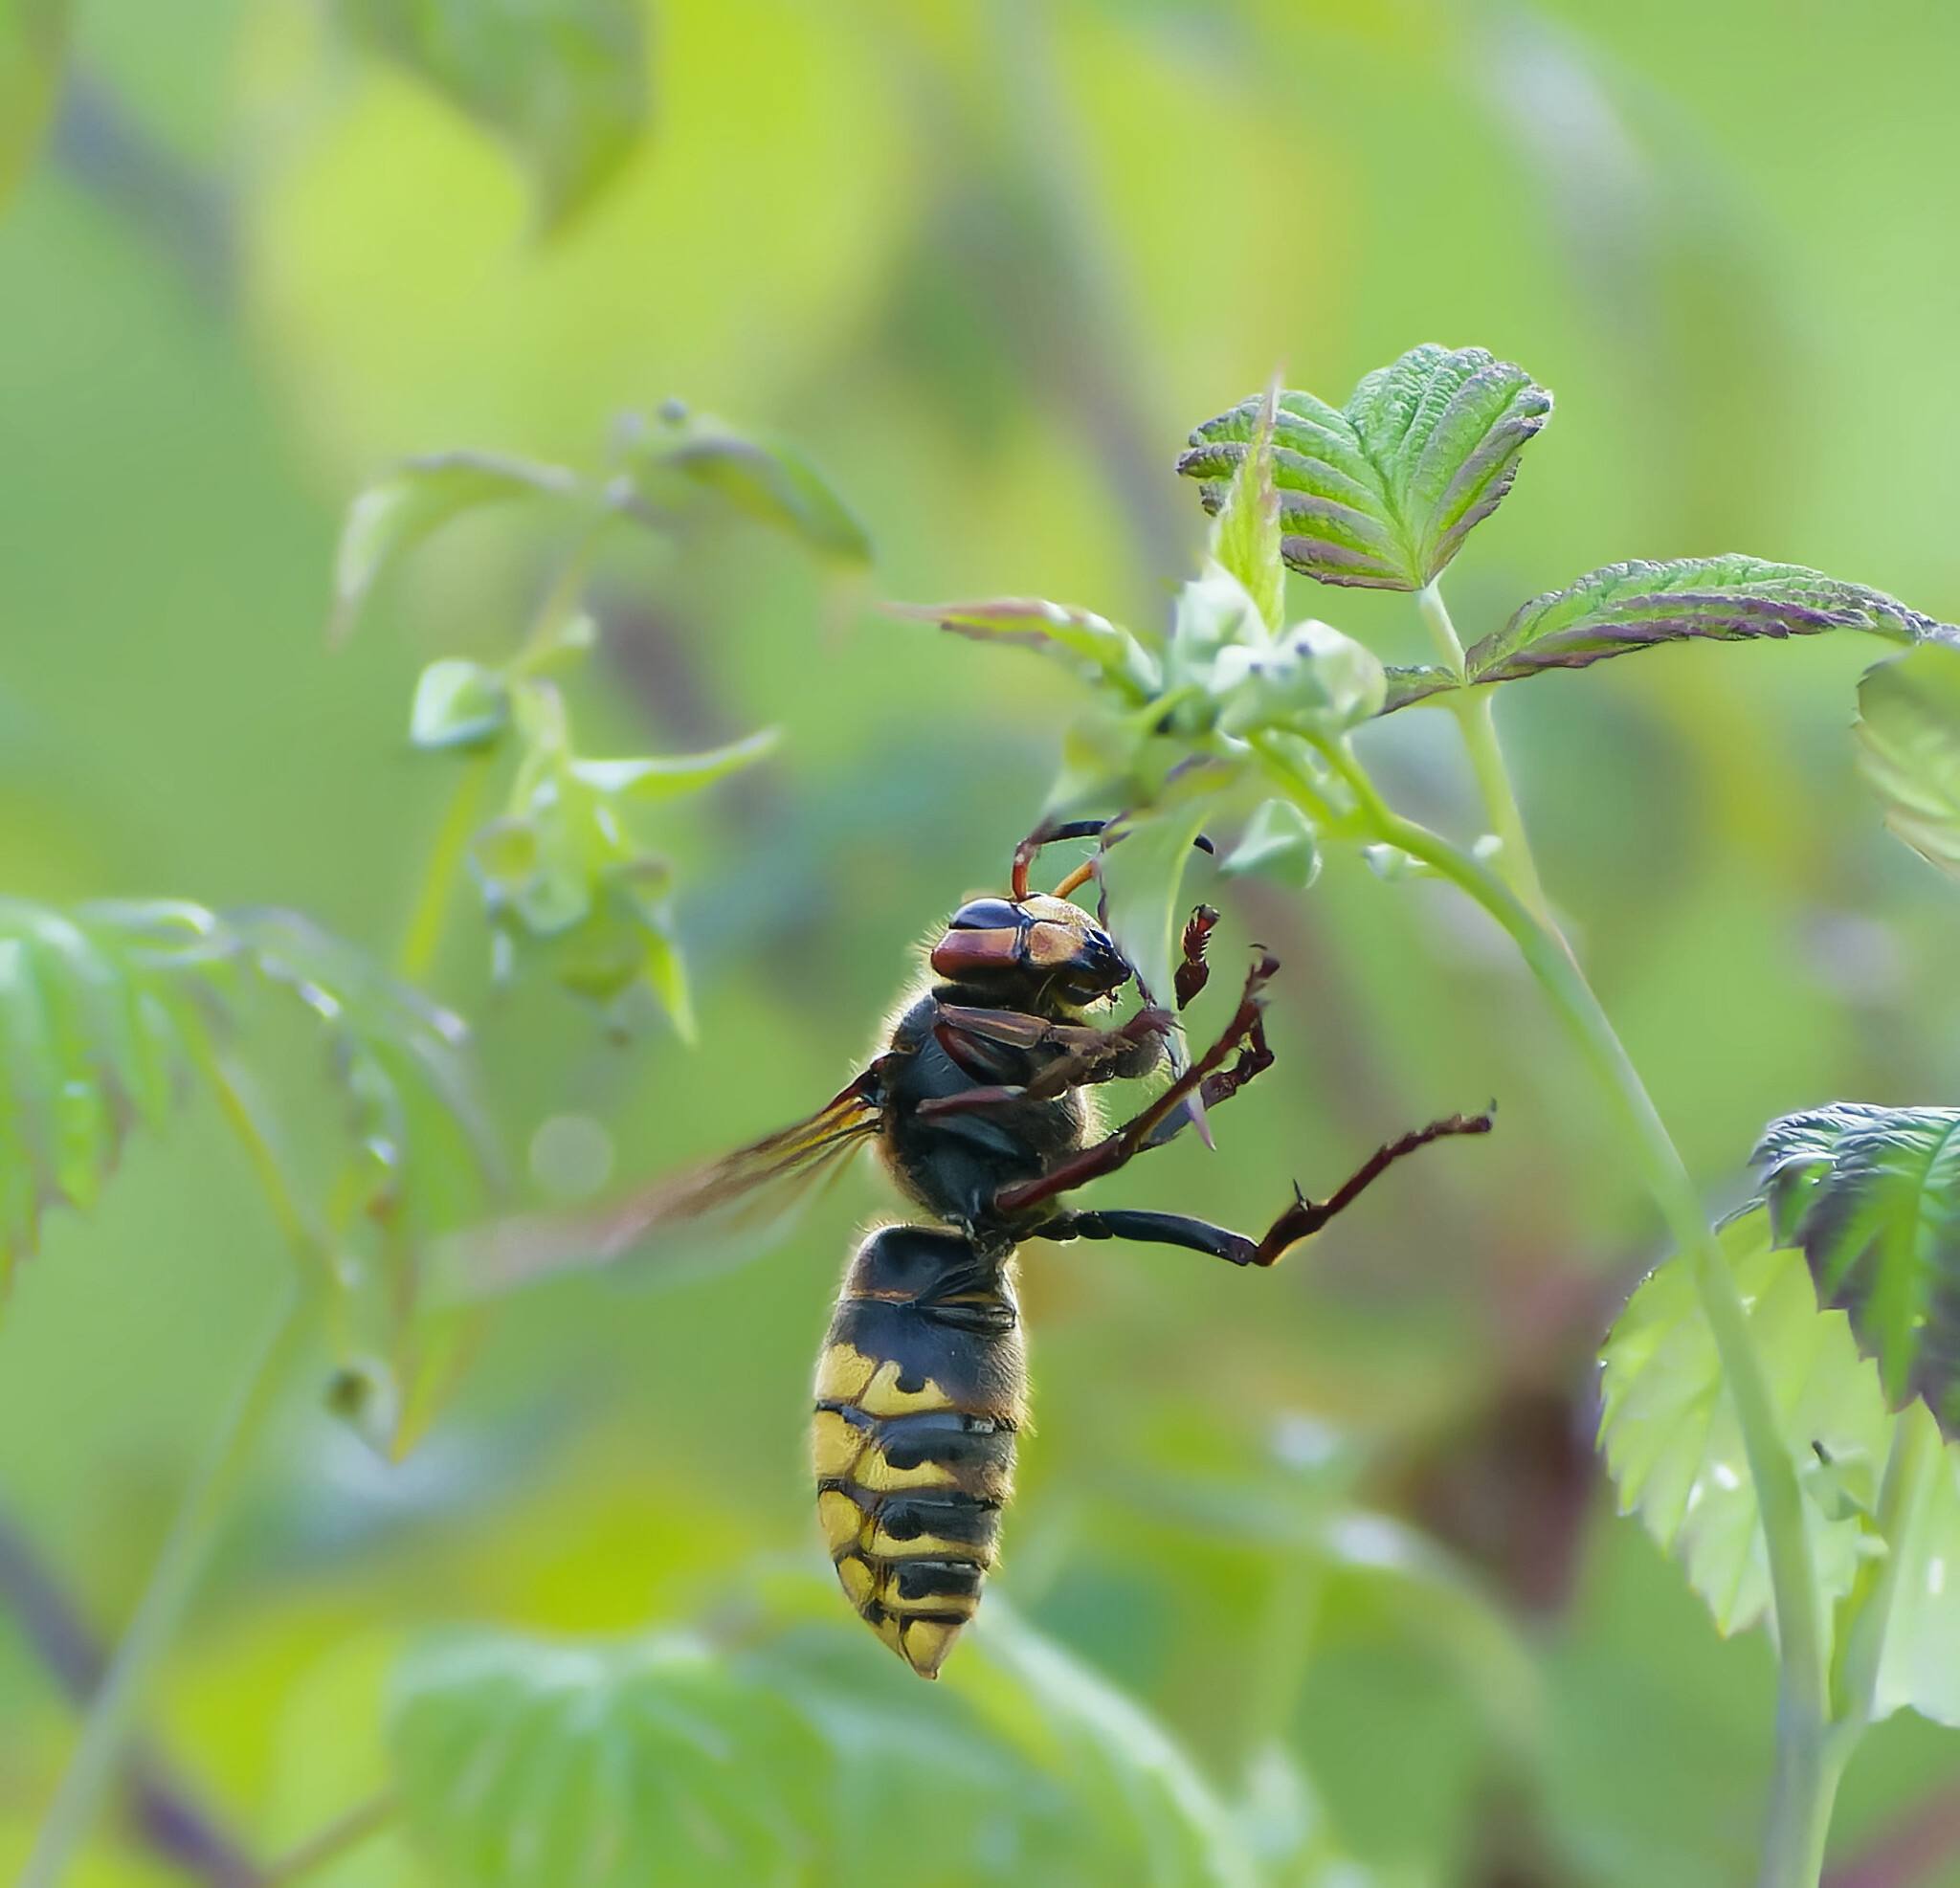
918, 1394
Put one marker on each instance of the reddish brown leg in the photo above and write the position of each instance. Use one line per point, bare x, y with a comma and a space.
1093, 1056
1193, 973
1135, 1135
1301, 1220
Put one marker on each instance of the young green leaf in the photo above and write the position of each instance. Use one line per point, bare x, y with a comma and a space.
764, 477
459, 705
1142, 869
1673, 1446
1245, 541
668, 776
651, 1764
87, 1050
1277, 845
34, 35
1406, 685
1908, 740
1089, 644
562, 82
1919, 1665
1382, 494
416, 500
1872, 1197
1310, 681
1625, 607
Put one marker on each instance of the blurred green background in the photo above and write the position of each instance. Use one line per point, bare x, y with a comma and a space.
989, 262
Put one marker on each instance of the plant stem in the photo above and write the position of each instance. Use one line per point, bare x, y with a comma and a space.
1809, 1760
423, 932
105, 1730
1911, 1464
328, 1845
426, 922
1473, 710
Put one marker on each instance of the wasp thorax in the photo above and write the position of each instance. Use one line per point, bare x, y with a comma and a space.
1042, 941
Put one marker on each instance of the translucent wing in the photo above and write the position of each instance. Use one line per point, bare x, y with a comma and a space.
705, 1218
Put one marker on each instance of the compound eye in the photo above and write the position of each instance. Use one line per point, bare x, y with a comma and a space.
986, 915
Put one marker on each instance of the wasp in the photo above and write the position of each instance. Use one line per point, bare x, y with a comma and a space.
977, 1104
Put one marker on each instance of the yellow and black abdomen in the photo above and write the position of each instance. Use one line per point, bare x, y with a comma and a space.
918, 1394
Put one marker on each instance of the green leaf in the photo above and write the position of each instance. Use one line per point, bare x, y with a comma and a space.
1625, 607
1215, 611
1245, 541
1406, 685
1092, 646
1111, 760
416, 500
87, 1052
671, 775
1919, 1666
402, 1061
562, 82
1872, 1197
807, 1755
523, 1763
570, 891
33, 38
459, 705
1310, 681
764, 476
1383, 493
420, 1158
1673, 1444
1277, 845
1908, 740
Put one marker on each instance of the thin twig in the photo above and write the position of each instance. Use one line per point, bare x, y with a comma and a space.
172, 1821
348, 1832
100, 1751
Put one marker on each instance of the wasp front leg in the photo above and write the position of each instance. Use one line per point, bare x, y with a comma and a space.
995, 1046
1168, 1112
1194, 972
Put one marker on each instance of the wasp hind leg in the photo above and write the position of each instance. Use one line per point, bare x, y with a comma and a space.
1303, 1218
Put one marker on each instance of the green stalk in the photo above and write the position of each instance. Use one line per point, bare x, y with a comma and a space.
1912, 1465
423, 935
99, 1752
1809, 1759
430, 914
1473, 710
361, 1824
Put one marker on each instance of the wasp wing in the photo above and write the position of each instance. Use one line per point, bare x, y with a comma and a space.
721, 1214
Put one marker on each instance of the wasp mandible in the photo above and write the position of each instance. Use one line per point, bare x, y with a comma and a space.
976, 1101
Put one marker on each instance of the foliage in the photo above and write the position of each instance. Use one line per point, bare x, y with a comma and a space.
1627, 607
1382, 492
564, 881
91, 1052
783, 1756
564, 83
1909, 734
1672, 1443
108, 1010
1871, 1196
956, 264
